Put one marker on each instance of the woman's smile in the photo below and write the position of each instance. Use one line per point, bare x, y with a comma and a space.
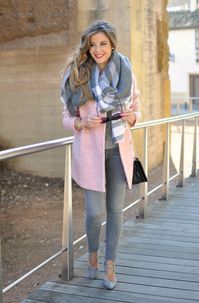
98, 56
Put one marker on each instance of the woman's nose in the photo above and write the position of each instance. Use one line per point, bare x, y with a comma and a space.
97, 47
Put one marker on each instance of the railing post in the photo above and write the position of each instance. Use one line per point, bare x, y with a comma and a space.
1, 280
190, 105
144, 186
166, 164
195, 149
178, 106
182, 158
67, 235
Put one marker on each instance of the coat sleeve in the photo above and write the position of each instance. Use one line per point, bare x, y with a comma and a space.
68, 120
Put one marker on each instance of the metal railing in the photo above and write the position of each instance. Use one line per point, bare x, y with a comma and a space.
67, 233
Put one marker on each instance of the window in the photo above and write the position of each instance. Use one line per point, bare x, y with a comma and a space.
197, 39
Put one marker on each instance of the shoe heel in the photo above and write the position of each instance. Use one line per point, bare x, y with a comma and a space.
93, 266
93, 273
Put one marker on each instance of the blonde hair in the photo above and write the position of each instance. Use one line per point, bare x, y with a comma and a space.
81, 61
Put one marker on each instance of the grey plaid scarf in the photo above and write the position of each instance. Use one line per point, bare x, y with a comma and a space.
111, 90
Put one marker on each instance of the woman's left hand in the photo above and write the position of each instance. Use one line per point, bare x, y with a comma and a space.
129, 116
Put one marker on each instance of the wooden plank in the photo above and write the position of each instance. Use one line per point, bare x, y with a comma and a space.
143, 289
174, 222
175, 204
152, 281
157, 259
159, 229
114, 296
41, 295
186, 192
184, 197
157, 266
143, 249
179, 199
179, 238
160, 252
170, 214
175, 215
153, 258
158, 247
32, 301
183, 215
177, 211
157, 250
175, 243
144, 226
146, 273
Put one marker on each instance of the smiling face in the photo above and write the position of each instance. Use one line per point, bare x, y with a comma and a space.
100, 49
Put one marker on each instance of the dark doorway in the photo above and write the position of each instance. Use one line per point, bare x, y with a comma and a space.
194, 88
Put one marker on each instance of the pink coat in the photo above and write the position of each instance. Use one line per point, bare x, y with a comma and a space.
88, 152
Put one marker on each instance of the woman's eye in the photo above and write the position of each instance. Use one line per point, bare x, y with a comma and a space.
100, 44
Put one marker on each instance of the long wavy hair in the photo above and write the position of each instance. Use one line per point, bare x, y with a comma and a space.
81, 61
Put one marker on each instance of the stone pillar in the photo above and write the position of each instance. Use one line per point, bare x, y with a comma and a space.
149, 54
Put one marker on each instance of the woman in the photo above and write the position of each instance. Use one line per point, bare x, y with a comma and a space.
101, 104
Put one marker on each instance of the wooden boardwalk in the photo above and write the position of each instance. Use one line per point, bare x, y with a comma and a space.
158, 260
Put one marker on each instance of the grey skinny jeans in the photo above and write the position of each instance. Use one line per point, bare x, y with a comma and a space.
114, 197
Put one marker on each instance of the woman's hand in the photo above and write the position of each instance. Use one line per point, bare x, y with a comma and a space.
91, 122
129, 116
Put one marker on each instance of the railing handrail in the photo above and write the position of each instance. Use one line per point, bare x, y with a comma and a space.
32, 271
184, 97
34, 148
42, 146
165, 120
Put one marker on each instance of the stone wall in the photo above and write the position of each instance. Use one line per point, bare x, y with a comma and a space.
149, 53
31, 64
30, 105
21, 18
30, 73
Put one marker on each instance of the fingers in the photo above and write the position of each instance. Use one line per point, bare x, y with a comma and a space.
127, 113
129, 116
91, 122
94, 119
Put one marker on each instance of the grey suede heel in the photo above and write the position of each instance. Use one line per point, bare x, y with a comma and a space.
109, 284
93, 266
93, 273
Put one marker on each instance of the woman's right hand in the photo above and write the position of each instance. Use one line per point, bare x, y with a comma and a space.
90, 122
